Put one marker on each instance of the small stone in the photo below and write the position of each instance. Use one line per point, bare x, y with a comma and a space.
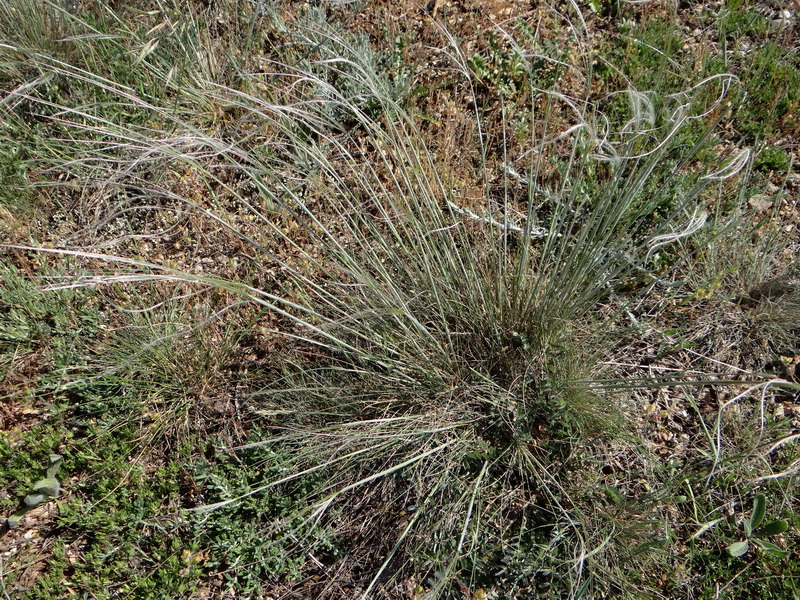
760, 202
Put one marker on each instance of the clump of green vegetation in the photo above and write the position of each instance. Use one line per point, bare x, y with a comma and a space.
233, 538
773, 159
107, 510
43, 490
740, 19
15, 194
771, 80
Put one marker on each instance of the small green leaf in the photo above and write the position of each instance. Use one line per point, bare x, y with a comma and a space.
738, 548
613, 495
706, 526
759, 510
771, 548
55, 465
773, 528
32, 500
14, 519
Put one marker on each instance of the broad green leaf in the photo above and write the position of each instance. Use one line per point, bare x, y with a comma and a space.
759, 510
32, 500
773, 528
14, 519
55, 465
738, 548
43, 490
49, 487
771, 548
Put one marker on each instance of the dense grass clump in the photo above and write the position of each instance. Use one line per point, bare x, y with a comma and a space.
446, 399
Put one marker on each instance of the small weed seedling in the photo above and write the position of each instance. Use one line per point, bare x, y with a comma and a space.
755, 531
43, 490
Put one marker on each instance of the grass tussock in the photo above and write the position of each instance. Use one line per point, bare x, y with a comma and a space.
447, 390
